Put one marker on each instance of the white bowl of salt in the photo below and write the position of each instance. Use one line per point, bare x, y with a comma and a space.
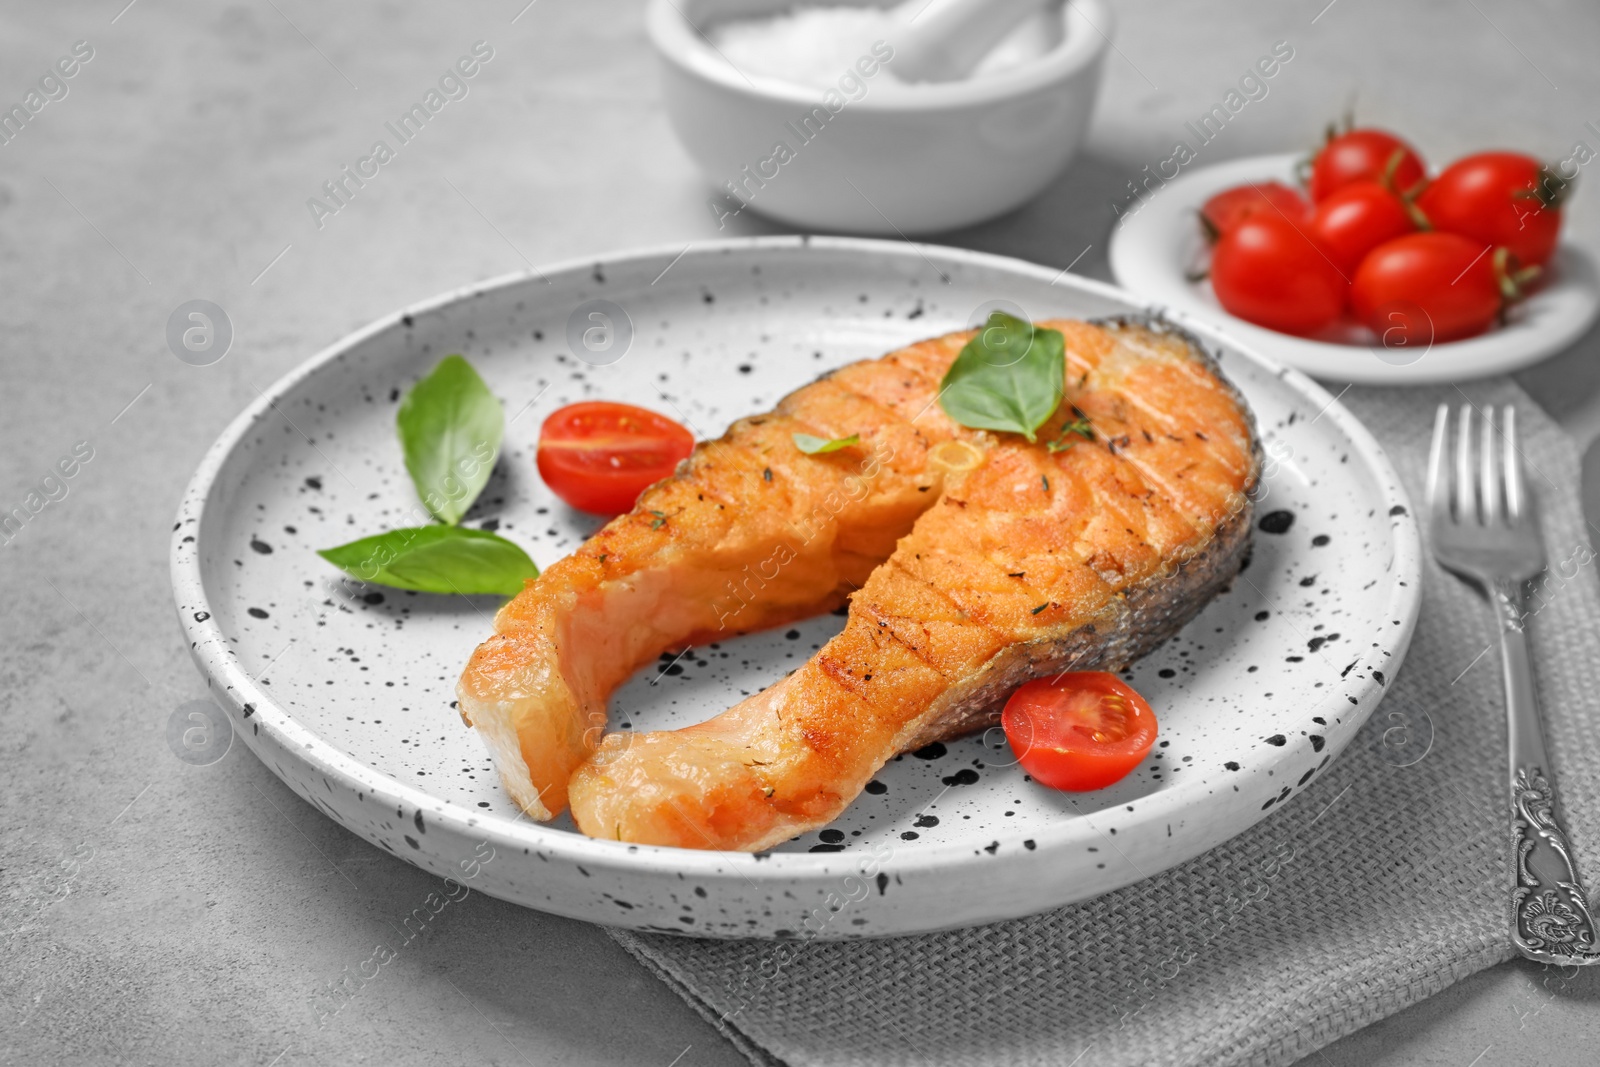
868, 118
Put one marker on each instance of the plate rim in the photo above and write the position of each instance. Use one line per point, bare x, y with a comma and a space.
228, 680
1299, 352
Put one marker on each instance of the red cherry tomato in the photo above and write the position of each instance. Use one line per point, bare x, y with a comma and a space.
1232, 206
1430, 287
1078, 731
1365, 155
599, 456
1267, 271
1499, 198
1356, 218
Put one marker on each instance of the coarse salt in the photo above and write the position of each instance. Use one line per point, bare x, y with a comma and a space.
813, 46
808, 46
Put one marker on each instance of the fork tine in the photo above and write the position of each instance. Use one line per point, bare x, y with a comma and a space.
1438, 469
1465, 498
1513, 465
1489, 472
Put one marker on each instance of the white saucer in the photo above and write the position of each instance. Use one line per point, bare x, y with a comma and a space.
1156, 246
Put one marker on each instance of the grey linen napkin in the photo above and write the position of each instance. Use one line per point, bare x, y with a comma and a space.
1375, 888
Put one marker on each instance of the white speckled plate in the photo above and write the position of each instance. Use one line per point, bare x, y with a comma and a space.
348, 698
1154, 249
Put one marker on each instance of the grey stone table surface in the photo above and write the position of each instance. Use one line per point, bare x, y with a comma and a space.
156, 912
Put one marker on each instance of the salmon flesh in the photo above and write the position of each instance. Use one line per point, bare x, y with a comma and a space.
971, 561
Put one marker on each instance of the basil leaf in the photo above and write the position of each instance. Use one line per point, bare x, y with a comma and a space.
436, 559
1079, 426
812, 445
1009, 377
450, 427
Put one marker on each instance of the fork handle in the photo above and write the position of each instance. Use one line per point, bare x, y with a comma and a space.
1550, 918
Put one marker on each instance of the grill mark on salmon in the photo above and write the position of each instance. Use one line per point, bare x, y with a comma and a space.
1029, 564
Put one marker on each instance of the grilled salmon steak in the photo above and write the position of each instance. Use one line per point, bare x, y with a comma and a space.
972, 562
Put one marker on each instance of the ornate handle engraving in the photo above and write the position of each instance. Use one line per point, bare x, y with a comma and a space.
1550, 914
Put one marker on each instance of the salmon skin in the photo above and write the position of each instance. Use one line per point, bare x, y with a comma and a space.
972, 562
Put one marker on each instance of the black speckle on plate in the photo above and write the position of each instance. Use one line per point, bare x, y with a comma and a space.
1276, 522
931, 751
1277, 739
257, 613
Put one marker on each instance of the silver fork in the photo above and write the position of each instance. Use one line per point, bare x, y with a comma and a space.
1484, 527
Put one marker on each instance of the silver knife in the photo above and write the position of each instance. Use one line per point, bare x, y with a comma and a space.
1589, 491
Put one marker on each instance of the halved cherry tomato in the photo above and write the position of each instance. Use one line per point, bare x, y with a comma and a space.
1232, 206
599, 456
1078, 731
1365, 155
1356, 218
1499, 198
1268, 271
1433, 287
